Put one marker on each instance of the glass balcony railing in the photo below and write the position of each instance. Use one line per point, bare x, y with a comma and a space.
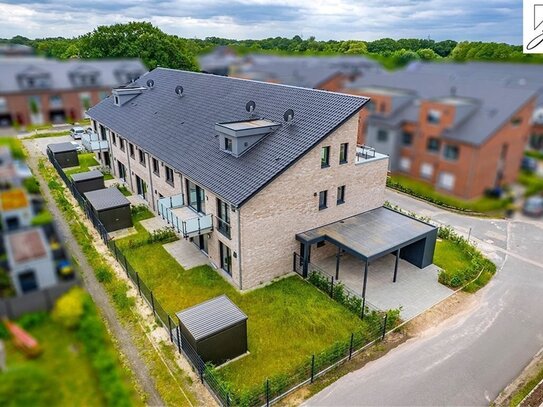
183, 219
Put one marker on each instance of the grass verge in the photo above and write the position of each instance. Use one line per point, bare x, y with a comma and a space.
49, 134
532, 182
526, 389
15, 146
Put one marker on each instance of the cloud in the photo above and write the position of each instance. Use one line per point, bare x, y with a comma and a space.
485, 20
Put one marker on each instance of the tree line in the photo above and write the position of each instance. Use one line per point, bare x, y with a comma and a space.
156, 48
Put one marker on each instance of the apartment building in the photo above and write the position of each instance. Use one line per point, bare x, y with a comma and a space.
461, 135
240, 167
37, 90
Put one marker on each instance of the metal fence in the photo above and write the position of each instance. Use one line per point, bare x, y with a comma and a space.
274, 388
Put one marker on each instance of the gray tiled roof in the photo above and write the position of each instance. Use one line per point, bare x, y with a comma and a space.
84, 176
107, 198
493, 103
180, 130
211, 317
61, 147
59, 71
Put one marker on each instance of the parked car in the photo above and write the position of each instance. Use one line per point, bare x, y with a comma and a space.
77, 132
78, 146
533, 206
529, 164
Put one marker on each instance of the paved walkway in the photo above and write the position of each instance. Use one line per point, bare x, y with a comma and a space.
415, 290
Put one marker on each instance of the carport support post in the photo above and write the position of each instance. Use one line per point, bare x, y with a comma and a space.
337, 262
396, 265
307, 248
364, 288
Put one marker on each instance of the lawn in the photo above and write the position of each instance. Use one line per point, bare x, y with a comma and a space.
532, 182
450, 257
86, 160
425, 191
15, 145
289, 320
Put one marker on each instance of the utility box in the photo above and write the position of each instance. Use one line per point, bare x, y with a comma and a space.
65, 154
215, 329
111, 207
88, 181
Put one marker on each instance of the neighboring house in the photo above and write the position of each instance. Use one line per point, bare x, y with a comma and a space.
15, 50
15, 209
12, 172
244, 169
218, 61
36, 259
462, 136
37, 90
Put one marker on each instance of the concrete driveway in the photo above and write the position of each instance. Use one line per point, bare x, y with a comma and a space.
40, 144
470, 358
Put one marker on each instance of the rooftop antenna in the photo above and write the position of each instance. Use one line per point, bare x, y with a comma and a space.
150, 84
250, 106
179, 90
289, 115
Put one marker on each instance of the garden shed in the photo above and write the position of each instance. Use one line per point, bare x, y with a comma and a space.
88, 181
65, 154
111, 207
216, 329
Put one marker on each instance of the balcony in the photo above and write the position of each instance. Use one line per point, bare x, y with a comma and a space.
92, 142
366, 154
186, 221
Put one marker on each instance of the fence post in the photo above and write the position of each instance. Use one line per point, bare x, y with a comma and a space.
384, 327
312, 368
267, 392
138, 281
201, 372
351, 346
178, 339
153, 302
170, 327
115, 251
332, 287
227, 399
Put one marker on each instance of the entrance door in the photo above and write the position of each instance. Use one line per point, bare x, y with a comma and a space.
28, 282
107, 160
141, 187
202, 240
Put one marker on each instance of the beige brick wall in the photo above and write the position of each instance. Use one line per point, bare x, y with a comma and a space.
289, 205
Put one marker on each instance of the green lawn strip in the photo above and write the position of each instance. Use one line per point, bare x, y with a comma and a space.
124, 190
526, 389
289, 320
108, 176
425, 191
68, 375
538, 155
15, 146
49, 134
86, 160
532, 182
167, 385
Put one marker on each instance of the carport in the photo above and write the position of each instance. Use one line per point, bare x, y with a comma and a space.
372, 235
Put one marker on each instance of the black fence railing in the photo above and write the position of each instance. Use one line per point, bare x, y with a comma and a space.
274, 388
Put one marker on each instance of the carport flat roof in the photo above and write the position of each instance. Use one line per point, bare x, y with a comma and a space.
371, 234
107, 198
84, 176
61, 147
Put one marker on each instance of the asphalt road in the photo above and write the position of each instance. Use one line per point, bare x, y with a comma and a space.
470, 358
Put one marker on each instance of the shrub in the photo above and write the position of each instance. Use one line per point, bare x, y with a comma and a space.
29, 321
4, 333
43, 218
103, 274
32, 185
69, 308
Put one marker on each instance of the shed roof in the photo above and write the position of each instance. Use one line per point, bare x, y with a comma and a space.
211, 317
370, 234
107, 198
26, 245
13, 199
84, 176
61, 147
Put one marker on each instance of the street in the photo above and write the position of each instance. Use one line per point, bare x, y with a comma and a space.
470, 358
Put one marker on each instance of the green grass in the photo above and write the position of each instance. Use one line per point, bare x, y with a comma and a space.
425, 191
532, 182
65, 367
450, 257
108, 176
86, 160
526, 389
124, 190
49, 134
31, 185
289, 320
15, 146
538, 155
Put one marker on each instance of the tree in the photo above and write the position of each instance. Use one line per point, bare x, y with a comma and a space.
427, 54
137, 40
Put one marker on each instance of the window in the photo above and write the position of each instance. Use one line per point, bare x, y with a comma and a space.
226, 258
446, 180
131, 149
156, 168
323, 198
426, 170
451, 152
340, 195
121, 144
382, 136
223, 219
433, 145
169, 175
325, 157
516, 121
407, 138
433, 116
116, 100
227, 144
405, 164
55, 101
28, 281
103, 132
343, 149
3, 105
142, 156
196, 197
113, 139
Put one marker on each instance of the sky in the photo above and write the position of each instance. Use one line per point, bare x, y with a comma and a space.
474, 20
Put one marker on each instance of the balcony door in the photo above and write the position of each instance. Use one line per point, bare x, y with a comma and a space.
196, 197
141, 187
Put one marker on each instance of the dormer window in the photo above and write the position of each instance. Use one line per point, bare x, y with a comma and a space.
237, 137
228, 144
116, 100
124, 94
434, 116
33, 78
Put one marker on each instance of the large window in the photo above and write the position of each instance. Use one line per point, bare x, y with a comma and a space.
343, 150
323, 200
223, 219
446, 180
156, 169
226, 258
407, 138
433, 145
340, 195
131, 149
196, 197
169, 175
141, 156
426, 170
433, 116
113, 139
121, 143
405, 164
382, 136
325, 157
451, 152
